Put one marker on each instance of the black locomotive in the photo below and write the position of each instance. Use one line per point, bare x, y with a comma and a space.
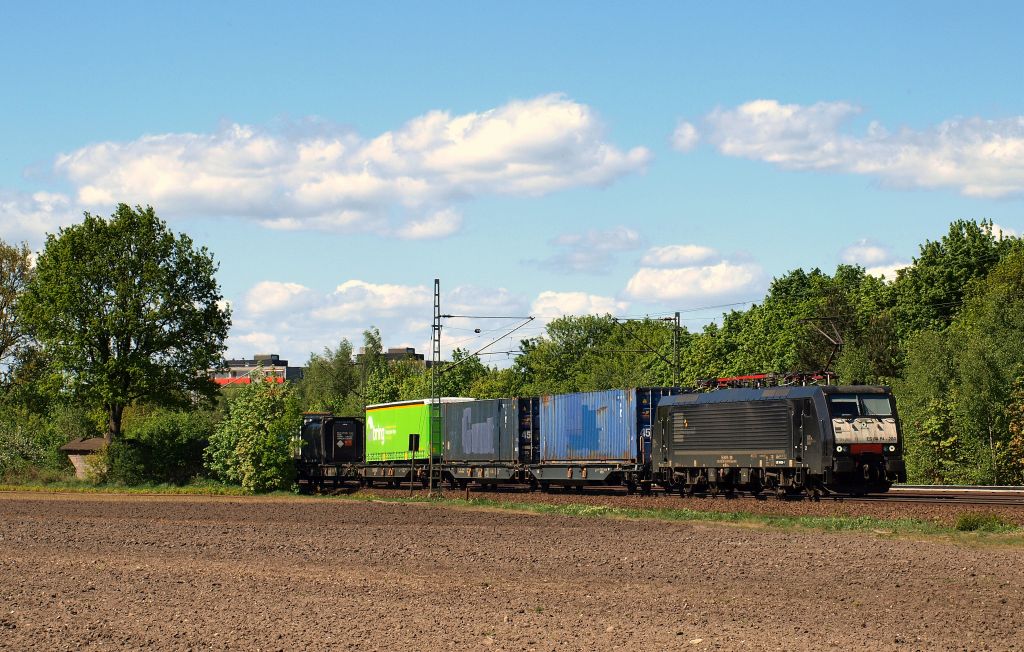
785, 439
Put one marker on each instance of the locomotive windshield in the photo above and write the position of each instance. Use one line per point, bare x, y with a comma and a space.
859, 405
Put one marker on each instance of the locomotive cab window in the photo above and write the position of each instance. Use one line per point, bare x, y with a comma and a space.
876, 406
859, 405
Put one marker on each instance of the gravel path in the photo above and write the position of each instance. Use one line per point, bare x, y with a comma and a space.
176, 573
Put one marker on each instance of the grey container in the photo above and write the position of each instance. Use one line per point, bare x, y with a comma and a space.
481, 431
589, 426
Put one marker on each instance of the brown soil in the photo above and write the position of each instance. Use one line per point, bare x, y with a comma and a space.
176, 573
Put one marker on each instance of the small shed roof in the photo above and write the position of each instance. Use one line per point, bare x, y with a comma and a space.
84, 445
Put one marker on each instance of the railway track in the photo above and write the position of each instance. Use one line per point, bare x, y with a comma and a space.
925, 494
948, 495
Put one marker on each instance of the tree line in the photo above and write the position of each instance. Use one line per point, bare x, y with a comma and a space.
111, 330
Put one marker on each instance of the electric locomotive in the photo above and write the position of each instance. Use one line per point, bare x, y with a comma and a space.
814, 439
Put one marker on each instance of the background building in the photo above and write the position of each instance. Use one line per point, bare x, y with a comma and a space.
240, 371
394, 354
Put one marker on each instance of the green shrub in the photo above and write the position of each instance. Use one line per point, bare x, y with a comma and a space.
251, 445
164, 447
30, 442
981, 522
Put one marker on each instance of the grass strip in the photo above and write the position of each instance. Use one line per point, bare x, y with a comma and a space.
201, 488
999, 532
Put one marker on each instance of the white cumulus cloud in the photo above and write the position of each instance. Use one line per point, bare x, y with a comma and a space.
1004, 232
439, 225
274, 296
693, 282
677, 255
888, 271
254, 342
29, 217
360, 300
550, 304
685, 137
867, 252
877, 259
402, 313
683, 272
317, 176
974, 156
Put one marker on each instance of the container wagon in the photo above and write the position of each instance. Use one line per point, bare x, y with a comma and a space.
330, 449
399, 442
815, 439
597, 437
490, 441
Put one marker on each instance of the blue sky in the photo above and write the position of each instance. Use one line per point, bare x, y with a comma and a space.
539, 158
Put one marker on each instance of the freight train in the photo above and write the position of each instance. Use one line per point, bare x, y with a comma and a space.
813, 440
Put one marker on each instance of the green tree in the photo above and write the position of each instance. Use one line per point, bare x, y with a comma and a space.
455, 378
329, 380
989, 357
15, 272
498, 383
558, 361
930, 292
957, 394
1013, 458
252, 444
127, 311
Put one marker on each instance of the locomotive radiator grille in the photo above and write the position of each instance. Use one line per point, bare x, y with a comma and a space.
739, 427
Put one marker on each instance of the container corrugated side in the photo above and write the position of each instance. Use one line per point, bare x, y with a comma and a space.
589, 426
478, 431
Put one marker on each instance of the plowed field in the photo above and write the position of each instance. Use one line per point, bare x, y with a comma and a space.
176, 573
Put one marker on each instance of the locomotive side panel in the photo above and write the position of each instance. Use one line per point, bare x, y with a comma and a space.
731, 434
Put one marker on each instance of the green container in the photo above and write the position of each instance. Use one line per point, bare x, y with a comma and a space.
389, 425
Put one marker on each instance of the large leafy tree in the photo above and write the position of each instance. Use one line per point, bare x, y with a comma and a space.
930, 292
330, 379
15, 271
127, 311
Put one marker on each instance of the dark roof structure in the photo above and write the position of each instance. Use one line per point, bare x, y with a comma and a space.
84, 445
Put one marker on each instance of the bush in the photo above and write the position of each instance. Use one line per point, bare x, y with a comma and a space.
30, 443
981, 522
251, 446
164, 447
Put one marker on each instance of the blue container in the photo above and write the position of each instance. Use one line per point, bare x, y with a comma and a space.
606, 426
589, 426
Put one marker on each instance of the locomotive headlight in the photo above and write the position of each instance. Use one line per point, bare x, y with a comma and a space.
892, 448
840, 448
